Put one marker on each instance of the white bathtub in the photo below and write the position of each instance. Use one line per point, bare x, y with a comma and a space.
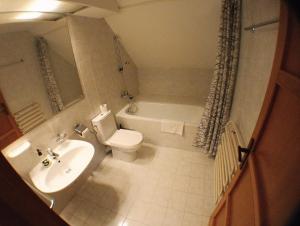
148, 118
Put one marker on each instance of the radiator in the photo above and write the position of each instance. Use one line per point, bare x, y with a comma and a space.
29, 117
226, 161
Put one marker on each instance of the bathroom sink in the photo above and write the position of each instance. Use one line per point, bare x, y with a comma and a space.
74, 157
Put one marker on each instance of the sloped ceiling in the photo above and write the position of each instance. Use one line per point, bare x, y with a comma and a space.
155, 33
168, 33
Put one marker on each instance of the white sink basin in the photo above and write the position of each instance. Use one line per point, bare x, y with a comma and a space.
74, 157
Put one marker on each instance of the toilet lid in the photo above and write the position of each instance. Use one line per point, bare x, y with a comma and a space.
126, 138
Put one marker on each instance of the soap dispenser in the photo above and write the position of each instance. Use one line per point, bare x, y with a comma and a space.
39, 152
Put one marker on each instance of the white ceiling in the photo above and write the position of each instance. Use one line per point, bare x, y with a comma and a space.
37, 5
128, 3
168, 33
15, 11
155, 33
94, 12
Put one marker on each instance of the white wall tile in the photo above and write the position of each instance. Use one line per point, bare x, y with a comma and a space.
192, 83
256, 58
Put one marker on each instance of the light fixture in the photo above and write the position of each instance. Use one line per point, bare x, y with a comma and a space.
43, 5
28, 15
36, 8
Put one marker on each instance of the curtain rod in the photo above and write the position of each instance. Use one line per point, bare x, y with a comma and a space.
12, 63
253, 27
145, 2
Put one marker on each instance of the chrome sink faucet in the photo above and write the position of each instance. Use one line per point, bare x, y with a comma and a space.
53, 154
60, 138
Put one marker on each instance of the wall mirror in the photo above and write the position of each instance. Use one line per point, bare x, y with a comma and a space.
38, 73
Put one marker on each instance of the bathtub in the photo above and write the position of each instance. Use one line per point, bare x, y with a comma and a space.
148, 119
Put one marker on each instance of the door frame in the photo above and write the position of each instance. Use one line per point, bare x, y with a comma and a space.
278, 76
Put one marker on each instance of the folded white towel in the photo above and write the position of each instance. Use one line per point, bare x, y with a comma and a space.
169, 126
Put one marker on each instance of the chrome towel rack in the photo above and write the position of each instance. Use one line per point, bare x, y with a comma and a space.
253, 27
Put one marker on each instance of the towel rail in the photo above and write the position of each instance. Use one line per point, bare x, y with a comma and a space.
253, 27
226, 161
29, 117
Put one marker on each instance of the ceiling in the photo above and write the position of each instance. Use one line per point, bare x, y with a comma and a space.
14, 11
168, 33
155, 33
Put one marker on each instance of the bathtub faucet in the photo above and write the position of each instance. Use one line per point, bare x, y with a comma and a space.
126, 95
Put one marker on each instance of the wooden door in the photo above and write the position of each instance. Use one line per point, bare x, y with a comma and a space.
9, 130
266, 191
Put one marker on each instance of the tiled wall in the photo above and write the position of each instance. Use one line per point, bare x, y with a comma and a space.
95, 56
17, 81
101, 82
191, 84
256, 58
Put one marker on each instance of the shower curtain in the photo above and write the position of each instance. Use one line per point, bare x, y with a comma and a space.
48, 75
218, 105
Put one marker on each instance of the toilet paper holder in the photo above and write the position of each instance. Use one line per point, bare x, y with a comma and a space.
81, 129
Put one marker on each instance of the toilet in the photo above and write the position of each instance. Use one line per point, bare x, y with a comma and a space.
124, 143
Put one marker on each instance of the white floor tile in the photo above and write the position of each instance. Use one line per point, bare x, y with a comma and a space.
177, 200
98, 216
190, 219
173, 218
139, 210
129, 222
162, 196
114, 220
155, 215
75, 221
181, 183
164, 186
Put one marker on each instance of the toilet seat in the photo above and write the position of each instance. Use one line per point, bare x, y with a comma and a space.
126, 139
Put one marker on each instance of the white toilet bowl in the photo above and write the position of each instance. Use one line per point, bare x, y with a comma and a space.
124, 143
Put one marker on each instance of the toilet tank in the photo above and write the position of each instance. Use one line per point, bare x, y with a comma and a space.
105, 126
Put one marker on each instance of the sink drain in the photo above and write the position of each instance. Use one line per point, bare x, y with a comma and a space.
68, 170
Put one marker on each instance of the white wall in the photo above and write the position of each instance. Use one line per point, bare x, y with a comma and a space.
256, 59
172, 42
169, 34
186, 85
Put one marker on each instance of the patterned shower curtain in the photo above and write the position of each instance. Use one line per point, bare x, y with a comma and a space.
218, 105
48, 75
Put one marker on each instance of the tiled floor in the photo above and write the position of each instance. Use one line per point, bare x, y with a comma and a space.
163, 187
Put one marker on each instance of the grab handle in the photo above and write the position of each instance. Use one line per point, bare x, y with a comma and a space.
243, 159
3, 109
